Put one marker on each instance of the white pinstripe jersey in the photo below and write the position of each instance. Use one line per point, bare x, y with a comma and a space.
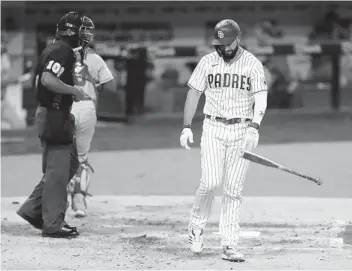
229, 88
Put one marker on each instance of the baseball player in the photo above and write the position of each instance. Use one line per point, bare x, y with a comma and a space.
90, 73
233, 82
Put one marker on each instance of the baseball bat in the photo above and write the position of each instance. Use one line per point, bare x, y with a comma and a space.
266, 162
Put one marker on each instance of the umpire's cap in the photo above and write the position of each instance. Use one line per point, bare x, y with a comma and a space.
225, 32
69, 24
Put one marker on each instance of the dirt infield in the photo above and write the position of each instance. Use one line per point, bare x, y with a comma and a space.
287, 222
150, 233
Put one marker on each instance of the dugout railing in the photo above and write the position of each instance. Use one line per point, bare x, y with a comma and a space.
333, 49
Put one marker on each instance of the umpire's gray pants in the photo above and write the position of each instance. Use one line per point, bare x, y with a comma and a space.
49, 198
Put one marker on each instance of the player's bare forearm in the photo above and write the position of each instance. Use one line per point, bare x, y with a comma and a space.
260, 104
54, 84
191, 106
109, 86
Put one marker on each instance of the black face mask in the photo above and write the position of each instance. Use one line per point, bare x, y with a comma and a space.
72, 41
226, 55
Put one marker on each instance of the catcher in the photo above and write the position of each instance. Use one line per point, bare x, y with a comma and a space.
90, 74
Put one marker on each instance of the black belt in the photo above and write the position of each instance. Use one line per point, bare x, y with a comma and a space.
55, 106
227, 121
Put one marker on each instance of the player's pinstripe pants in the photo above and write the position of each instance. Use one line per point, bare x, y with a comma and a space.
221, 164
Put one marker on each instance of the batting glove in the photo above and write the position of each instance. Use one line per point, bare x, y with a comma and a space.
186, 136
251, 138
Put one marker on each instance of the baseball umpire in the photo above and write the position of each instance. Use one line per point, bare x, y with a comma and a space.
45, 207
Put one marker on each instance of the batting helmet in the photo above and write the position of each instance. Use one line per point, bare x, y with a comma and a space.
226, 32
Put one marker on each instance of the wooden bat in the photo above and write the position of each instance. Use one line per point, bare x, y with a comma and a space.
266, 162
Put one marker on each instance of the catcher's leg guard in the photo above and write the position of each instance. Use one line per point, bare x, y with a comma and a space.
78, 189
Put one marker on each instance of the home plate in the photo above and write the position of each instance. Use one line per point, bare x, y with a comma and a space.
248, 234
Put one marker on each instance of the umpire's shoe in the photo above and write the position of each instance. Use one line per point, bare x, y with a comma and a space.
231, 254
66, 231
196, 241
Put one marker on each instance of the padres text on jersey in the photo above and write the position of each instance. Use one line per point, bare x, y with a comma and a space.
229, 88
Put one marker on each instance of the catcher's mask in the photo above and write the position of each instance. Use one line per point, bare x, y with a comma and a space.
76, 28
226, 40
86, 32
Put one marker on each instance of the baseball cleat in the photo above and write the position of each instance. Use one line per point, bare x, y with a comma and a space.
232, 255
80, 213
79, 205
196, 241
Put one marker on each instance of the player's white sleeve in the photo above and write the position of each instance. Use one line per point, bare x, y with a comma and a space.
258, 80
104, 73
198, 80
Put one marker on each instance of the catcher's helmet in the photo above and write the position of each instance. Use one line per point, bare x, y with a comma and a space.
77, 26
226, 32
